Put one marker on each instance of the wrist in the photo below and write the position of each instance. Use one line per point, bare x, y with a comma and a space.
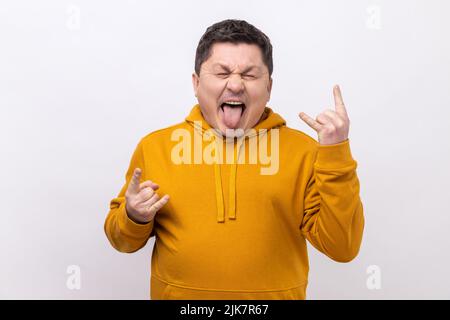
132, 218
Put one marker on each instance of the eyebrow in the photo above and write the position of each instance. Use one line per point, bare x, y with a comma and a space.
249, 68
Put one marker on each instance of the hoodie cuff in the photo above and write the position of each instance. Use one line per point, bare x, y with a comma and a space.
131, 227
334, 156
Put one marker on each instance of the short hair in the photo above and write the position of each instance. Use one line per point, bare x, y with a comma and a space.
234, 31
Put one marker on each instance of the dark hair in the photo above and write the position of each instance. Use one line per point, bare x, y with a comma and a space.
235, 31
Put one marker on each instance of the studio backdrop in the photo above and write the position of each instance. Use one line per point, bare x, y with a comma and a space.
81, 82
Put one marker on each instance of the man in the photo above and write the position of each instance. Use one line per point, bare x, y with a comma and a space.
237, 221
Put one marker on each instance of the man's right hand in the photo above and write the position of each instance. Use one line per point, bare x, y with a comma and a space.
142, 202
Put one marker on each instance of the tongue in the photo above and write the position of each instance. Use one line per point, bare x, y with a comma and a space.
232, 115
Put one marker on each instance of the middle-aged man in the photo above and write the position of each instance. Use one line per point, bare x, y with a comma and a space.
246, 191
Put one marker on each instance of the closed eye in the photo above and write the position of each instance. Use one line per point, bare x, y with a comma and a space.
244, 76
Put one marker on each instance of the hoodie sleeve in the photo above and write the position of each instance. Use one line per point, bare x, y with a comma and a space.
124, 234
333, 219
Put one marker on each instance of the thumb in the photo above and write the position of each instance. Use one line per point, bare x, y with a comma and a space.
133, 187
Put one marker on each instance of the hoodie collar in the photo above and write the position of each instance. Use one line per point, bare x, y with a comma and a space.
269, 120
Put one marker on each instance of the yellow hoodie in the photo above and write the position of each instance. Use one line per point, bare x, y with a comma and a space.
229, 231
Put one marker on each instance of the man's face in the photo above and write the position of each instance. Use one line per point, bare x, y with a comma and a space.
233, 86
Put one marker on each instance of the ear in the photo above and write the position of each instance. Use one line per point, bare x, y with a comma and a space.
195, 82
269, 88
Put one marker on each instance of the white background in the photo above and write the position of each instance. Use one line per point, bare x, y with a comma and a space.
82, 81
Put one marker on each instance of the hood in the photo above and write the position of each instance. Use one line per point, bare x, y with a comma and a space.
269, 120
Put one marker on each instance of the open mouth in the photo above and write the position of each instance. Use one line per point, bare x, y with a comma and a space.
233, 104
232, 113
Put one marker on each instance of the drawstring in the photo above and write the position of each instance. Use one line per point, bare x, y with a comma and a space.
219, 195
232, 183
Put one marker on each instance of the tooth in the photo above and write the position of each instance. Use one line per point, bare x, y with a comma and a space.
234, 102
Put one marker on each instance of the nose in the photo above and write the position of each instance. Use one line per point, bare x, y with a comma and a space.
235, 83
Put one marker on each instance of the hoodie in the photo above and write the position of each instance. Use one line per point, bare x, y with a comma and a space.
241, 210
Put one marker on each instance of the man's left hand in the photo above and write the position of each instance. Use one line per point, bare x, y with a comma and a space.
332, 126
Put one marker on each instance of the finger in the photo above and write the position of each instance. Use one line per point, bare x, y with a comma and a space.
134, 182
159, 204
145, 194
323, 119
334, 117
309, 121
150, 184
338, 101
149, 202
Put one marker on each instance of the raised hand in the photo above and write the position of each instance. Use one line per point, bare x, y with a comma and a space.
142, 202
332, 126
